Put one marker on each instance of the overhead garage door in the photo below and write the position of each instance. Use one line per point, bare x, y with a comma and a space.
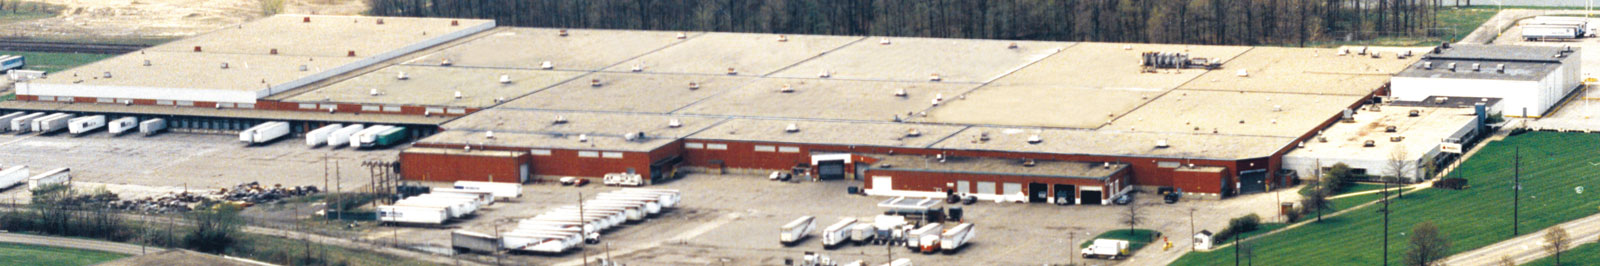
1254, 181
1013, 189
985, 188
964, 187
881, 183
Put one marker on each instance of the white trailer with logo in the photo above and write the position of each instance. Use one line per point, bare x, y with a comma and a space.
122, 125
838, 233
412, 214
152, 126
956, 237
78, 126
499, 189
319, 136
796, 230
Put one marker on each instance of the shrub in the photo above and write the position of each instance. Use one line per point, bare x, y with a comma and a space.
1451, 183
1243, 224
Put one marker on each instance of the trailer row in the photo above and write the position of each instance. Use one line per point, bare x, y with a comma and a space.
355, 135
563, 228
435, 207
11, 177
885, 229
1555, 28
23, 122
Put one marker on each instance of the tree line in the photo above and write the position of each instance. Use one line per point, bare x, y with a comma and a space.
1240, 22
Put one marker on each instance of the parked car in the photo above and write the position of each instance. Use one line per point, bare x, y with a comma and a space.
1124, 199
1172, 197
574, 181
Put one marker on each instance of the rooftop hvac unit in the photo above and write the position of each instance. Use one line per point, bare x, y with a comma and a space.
1035, 139
444, 62
782, 38
1500, 68
1011, 46
1242, 73
488, 134
682, 36
1451, 66
562, 33
560, 120
1427, 65
147, 62
913, 133
630, 136
505, 79
1476, 67
1343, 52
824, 74
792, 128
1391, 129
983, 136
1127, 47
458, 94
224, 65
935, 77
304, 68
1107, 165
594, 83
583, 138
1029, 163
1369, 143
1414, 113
883, 41
546, 65
1397, 138
900, 92
732, 72
374, 92
1277, 108
1363, 51
674, 123
107, 75
637, 68
1162, 144
694, 86
786, 89
402, 76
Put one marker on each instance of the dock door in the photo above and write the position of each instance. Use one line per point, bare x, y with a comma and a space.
1066, 194
1038, 192
1253, 181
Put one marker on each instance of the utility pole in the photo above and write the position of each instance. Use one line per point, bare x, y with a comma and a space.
1191, 228
1385, 211
1516, 190
1236, 250
583, 231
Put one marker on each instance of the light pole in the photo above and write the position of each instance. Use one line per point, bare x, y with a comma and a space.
1516, 190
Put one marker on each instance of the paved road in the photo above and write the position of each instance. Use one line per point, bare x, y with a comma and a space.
1529, 247
88, 244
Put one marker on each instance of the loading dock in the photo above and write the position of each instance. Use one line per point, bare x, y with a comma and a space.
996, 179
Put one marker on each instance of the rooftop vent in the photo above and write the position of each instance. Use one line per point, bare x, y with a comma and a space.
1500, 68
883, 41
562, 33
147, 62
380, 21
547, 65
1369, 143
935, 77
1029, 163
913, 133
305, 20
1476, 67
594, 83
786, 89
1035, 139
488, 134
1242, 73
682, 36
1277, 108
444, 62
224, 65
458, 94
631, 136
694, 86
824, 74
792, 128
782, 38
1397, 138
900, 92
273, 51
1011, 46
1107, 165
505, 79
350, 53
638, 68
583, 138
402, 76
732, 72
1391, 129
559, 120
1451, 66
373, 92
674, 123
455, 23
1427, 65
107, 75
1414, 113
983, 136
1162, 144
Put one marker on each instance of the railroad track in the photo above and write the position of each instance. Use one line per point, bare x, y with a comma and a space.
67, 47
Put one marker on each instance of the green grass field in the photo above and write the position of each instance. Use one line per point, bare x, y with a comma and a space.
1454, 24
19, 254
1137, 238
53, 62
1582, 255
1553, 165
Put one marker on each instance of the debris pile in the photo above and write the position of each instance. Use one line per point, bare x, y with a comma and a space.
244, 195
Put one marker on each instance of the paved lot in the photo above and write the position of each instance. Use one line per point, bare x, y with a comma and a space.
734, 219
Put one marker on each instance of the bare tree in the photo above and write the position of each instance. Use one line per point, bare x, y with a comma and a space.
1427, 245
1133, 217
1557, 240
1399, 165
1318, 200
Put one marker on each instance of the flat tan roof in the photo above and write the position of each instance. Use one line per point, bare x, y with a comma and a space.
326, 36
436, 86
528, 48
916, 59
1302, 70
630, 92
749, 54
1040, 106
1114, 66
1045, 168
546, 140
464, 151
185, 70
1095, 142
1421, 134
828, 99
883, 134
1234, 113
503, 120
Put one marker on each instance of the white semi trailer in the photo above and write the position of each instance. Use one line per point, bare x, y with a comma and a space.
319, 136
264, 132
21, 124
10, 177
796, 230
57, 176
152, 126
412, 214
652, 205
366, 135
838, 233
6, 120
669, 197
634, 210
956, 237
52, 123
499, 189
483, 198
122, 125
341, 137
78, 126
862, 233
915, 237
468, 241
547, 242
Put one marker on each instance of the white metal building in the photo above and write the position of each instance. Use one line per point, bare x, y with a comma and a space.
1530, 80
1374, 134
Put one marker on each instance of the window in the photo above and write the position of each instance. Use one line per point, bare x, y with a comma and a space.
539, 152
985, 188
369, 108
789, 149
589, 154
456, 111
245, 106
185, 103
47, 98
308, 106
434, 110
611, 155
330, 106
694, 145
104, 100
391, 108
716, 146
766, 148
163, 102
1167, 164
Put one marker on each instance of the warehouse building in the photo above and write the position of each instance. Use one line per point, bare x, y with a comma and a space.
1409, 137
1530, 80
1036, 121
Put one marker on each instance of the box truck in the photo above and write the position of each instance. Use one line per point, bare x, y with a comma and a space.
152, 126
956, 237
341, 137
10, 177
498, 189
264, 132
1106, 248
1550, 32
78, 126
838, 233
464, 241
796, 230
21, 124
319, 136
57, 176
122, 125
412, 214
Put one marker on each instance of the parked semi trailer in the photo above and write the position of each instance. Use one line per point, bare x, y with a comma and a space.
863, 233
838, 233
21, 124
499, 189
652, 205
412, 214
264, 132
464, 241
635, 210
381, 138
152, 126
366, 135
9, 62
78, 126
668, 198
914, 238
10, 177
794, 231
122, 125
546, 242
57, 176
52, 123
1551, 32
5, 120
483, 197
319, 136
956, 237
341, 137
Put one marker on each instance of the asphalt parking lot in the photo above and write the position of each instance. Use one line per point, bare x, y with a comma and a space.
734, 219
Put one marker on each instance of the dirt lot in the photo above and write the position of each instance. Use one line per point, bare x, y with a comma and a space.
733, 219
121, 20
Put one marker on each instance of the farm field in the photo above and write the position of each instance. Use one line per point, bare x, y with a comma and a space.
1553, 165
19, 254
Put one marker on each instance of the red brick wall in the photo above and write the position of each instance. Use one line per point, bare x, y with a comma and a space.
567, 163
440, 167
1201, 182
911, 180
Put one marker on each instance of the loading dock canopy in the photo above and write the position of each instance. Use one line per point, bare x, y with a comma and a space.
903, 203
